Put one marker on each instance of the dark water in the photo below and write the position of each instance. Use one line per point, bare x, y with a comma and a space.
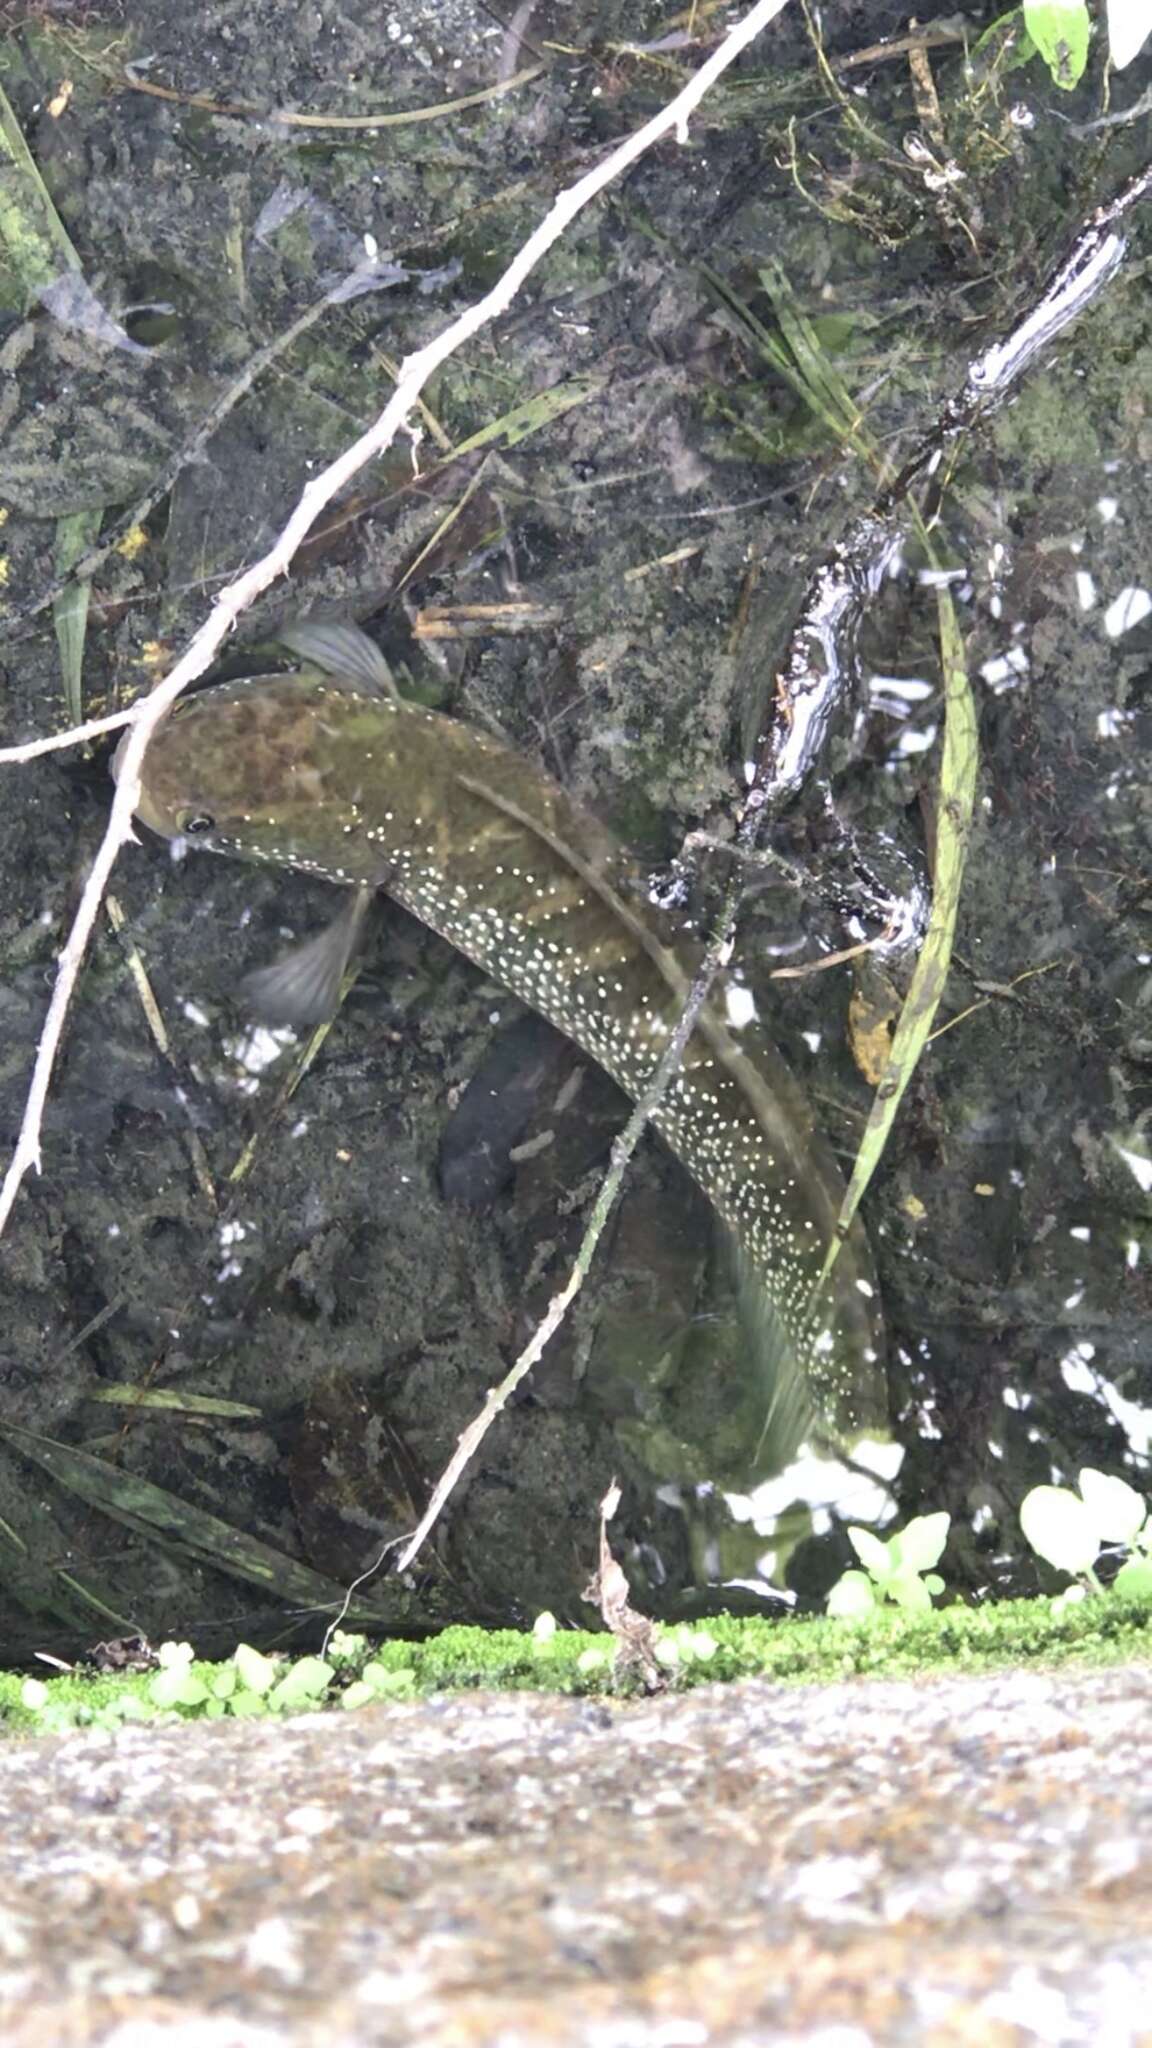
668, 521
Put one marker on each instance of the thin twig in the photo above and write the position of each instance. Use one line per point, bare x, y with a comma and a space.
74, 737
839, 959
285, 118
154, 1018
415, 373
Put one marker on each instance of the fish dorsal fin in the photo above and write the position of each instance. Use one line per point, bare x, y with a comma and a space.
341, 650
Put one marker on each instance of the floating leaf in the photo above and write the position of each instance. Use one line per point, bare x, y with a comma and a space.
120, 1394
75, 533
955, 802
533, 413
34, 242
153, 1511
71, 300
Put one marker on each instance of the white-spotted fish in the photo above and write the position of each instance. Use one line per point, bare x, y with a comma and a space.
329, 770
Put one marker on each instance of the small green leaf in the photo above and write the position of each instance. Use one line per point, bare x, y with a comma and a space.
391, 1685
1006, 41
130, 1708
1059, 1527
177, 1686
175, 1656
343, 1647
256, 1672
591, 1661
699, 1646
1116, 1508
247, 1706
1060, 30
853, 1595
1135, 1576
922, 1542
301, 1686
875, 1555
909, 1591
358, 1694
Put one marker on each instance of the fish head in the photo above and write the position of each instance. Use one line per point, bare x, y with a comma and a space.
234, 769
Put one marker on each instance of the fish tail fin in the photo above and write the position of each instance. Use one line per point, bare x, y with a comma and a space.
777, 1369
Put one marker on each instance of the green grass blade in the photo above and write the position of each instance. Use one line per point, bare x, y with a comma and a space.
533, 414
75, 533
955, 803
152, 1510
35, 243
818, 382
172, 1401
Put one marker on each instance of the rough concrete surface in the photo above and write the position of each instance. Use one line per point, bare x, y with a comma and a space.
961, 1862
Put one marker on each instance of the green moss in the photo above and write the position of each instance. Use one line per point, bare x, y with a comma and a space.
795, 1651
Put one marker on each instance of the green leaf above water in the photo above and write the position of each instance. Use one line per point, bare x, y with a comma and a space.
897, 1570
1061, 31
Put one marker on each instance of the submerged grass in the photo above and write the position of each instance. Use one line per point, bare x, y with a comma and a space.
76, 533
955, 803
799, 356
36, 248
36, 244
169, 1522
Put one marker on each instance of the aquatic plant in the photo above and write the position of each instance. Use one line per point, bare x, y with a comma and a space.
1070, 1530
898, 1570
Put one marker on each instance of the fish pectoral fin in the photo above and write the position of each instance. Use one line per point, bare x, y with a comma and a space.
303, 986
342, 651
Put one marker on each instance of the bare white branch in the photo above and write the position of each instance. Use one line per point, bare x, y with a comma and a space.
74, 737
497, 1398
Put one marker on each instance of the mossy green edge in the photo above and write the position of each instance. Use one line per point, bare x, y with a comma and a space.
952, 1640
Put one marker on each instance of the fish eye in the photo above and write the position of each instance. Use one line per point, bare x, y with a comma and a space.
193, 824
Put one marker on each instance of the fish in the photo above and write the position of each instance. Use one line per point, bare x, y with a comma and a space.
329, 770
